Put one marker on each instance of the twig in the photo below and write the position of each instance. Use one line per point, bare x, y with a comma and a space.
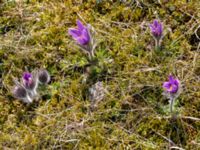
164, 137
191, 118
175, 147
182, 117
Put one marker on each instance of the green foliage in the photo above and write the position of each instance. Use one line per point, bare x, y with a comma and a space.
134, 114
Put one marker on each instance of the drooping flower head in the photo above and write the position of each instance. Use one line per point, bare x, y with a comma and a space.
21, 93
172, 85
156, 29
28, 81
43, 76
80, 34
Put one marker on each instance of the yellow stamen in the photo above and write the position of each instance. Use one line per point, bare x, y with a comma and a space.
171, 88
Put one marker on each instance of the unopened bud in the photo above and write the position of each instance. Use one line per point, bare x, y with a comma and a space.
21, 93
30, 82
43, 76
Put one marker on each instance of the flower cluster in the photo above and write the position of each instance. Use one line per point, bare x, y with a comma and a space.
84, 37
26, 90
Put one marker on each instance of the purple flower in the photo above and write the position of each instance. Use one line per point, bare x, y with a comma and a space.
156, 29
172, 86
29, 82
27, 78
80, 34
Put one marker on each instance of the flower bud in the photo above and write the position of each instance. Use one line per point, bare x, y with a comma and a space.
30, 82
156, 29
43, 76
21, 93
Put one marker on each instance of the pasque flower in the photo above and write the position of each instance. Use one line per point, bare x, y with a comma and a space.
30, 82
157, 32
43, 76
21, 93
80, 34
172, 89
156, 29
26, 88
85, 37
172, 85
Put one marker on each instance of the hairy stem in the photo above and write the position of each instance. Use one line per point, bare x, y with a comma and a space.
171, 104
157, 43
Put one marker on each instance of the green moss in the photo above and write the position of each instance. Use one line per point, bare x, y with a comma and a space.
134, 114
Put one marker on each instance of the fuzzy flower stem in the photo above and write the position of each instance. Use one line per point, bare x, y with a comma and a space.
29, 100
171, 104
91, 55
33, 93
157, 43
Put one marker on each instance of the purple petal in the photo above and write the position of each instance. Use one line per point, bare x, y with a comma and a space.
177, 82
156, 28
160, 28
166, 85
84, 38
86, 35
174, 89
74, 32
171, 79
155, 23
27, 76
81, 41
80, 25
